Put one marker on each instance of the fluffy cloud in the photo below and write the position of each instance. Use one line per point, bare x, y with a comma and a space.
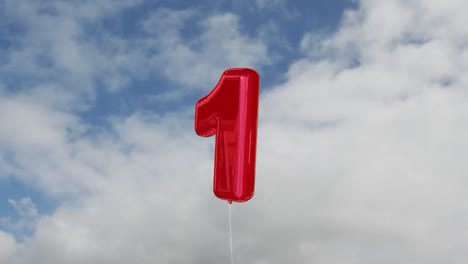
67, 49
196, 63
380, 110
7, 246
56, 52
360, 158
27, 213
57, 65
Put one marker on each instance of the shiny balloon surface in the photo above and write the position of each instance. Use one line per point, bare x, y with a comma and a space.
230, 112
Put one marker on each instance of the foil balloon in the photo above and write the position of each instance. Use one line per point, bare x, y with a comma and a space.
230, 112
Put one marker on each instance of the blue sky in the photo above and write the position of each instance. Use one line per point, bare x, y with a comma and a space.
362, 131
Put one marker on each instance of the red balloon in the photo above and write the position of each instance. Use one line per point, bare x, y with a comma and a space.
230, 112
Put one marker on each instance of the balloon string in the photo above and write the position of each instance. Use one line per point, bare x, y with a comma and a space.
230, 233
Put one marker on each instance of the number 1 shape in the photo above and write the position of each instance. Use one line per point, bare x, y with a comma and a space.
231, 112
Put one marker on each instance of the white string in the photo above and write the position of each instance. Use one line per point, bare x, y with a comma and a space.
230, 233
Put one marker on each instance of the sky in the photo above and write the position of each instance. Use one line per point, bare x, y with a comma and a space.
362, 138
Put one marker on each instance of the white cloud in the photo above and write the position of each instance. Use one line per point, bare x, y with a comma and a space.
381, 167
163, 168
28, 216
25, 207
45, 139
67, 48
196, 62
360, 159
7, 246
39, 140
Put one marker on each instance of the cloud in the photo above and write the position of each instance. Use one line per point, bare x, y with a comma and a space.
55, 47
28, 216
195, 62
7, 246
24, 207
360, 153
158, 151
38, 140
71, 50
378, 176
57, 66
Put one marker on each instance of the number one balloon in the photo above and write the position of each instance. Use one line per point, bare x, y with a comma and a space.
230, 112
